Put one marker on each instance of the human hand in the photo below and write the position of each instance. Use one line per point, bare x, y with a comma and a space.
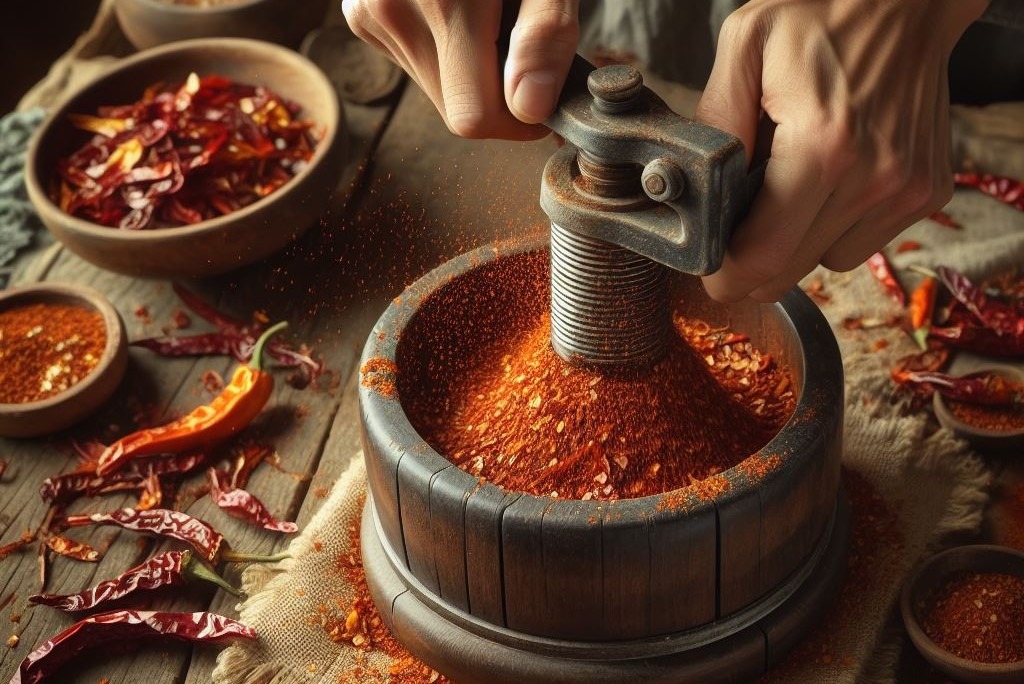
449, 49
859, 93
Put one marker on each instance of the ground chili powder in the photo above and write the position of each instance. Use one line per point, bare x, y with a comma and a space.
996, 418
482, 385
47, 348
979, 617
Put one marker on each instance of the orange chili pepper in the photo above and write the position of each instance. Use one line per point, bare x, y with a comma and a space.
922, 302
239, 402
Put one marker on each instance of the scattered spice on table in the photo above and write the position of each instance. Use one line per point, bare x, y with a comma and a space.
47, 348
182, 154
525, 420
170, 524
171, 568
355, 621
119, 628
243, 505
229, 412
978, 617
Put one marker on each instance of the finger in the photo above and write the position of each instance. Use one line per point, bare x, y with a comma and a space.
813, 149
541, 50
470, 77
732, 98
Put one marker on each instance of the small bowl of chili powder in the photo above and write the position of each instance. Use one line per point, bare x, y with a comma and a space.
190, 159
63, 352
964, 611
994, 420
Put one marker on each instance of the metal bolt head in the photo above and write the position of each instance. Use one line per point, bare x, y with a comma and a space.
616, 87
663, 181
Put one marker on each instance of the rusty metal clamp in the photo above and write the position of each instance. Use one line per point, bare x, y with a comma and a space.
637, 188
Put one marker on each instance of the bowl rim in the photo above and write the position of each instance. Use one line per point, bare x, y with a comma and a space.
924, 644
113, 326
296, 62
946, 417
175, 8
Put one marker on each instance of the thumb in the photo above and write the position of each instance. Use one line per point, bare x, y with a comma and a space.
541, 49
732, 98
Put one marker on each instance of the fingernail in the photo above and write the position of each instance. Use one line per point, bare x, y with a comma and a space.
534, 97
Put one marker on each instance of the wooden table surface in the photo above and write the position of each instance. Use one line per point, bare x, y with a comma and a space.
411, 197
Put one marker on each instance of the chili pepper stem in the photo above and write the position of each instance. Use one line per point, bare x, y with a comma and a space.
257, 350
920, 336
229, 556
192, 567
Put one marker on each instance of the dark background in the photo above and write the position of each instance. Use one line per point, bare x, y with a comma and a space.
36, 33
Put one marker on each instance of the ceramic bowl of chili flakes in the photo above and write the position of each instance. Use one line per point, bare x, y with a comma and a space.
63, 352
995, 424
148, 23
190, 159
964, 611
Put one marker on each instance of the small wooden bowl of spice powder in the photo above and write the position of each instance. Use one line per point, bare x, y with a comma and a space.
989, 426
964, 611
63, 352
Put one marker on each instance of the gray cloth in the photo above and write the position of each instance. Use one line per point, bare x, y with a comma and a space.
18, 220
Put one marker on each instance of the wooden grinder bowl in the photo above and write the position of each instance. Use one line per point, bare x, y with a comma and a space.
494, 586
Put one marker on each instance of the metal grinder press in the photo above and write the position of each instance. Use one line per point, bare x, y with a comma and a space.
493, 586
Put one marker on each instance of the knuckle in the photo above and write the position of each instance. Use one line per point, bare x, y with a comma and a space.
548, 27
841, 260
839, 143
390, 14
740, 27
918, 195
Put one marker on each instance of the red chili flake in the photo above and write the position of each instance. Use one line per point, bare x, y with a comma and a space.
3, 468
908, 246
816, 291
183, 154
72, 548
944, 219
212, 381
142, 313
180, 319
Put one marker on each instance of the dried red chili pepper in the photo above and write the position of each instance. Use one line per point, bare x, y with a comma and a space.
1004, 189
249, 456
123, 626
152, 493
922, 304
242, 504
232, 410
233, 338
908, 246
163, 522
72, 548
988, 389
66, 487
182, 155
881, 269
171, 568
994, 326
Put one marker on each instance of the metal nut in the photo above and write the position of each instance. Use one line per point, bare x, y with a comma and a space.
663, 181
